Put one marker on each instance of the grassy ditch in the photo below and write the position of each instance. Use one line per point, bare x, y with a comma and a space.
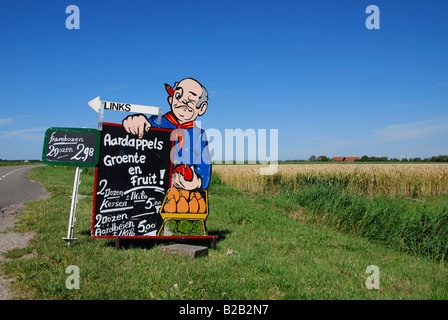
417, 226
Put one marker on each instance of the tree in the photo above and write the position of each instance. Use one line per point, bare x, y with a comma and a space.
364, 158
322, 158
312, 158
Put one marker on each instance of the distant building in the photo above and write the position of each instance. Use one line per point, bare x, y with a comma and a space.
351, 159
345, 159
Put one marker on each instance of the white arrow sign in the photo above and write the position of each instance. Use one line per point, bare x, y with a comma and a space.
95, 104
99, 106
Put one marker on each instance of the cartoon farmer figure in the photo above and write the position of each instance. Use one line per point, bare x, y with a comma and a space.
190, 155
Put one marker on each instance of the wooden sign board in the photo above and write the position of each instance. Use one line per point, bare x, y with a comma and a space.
71, 147
131, 180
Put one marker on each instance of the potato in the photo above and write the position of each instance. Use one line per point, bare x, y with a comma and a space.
184, 201
182, 205
184, 193
194, 205
202, 206
175, 193
170, 206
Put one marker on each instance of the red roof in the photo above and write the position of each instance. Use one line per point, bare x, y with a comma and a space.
351, 159
338, 158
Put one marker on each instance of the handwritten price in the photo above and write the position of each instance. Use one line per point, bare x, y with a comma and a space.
83, 153
145, 228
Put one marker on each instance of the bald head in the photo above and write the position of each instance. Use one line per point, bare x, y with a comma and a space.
189, 100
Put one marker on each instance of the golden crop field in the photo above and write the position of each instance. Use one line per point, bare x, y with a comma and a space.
409, 180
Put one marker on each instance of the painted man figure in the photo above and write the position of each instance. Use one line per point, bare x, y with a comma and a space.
188, 100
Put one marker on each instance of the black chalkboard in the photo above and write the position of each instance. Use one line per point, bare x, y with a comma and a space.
71, 147
131, 180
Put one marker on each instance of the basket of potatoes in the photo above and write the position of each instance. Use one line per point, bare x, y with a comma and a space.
185, 204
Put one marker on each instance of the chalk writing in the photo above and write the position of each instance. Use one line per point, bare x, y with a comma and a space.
131, 182
71, 146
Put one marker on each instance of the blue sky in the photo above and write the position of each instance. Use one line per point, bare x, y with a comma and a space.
310, 69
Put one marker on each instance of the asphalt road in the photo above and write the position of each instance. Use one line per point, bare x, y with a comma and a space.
16, 188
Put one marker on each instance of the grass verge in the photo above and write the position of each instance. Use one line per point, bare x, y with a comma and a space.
266, 250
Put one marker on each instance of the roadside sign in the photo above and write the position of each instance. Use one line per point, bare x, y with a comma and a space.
99, 106
95, 104
131, 180
71, 147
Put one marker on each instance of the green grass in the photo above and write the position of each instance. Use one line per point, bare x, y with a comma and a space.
8, 163
416, 226
268, 248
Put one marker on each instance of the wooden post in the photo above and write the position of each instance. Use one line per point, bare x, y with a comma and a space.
117, 243
214, 243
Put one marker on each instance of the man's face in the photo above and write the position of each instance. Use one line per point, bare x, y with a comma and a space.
185, 99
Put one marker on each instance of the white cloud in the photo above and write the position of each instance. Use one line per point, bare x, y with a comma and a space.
4, 121
34, 134
412, 131
440, 84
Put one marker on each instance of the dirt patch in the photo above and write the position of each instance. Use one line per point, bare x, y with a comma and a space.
299, 215
10, 240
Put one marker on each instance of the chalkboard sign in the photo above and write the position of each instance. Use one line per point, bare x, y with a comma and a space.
131, 180
71, 147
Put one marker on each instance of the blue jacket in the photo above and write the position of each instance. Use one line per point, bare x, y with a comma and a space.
194, 150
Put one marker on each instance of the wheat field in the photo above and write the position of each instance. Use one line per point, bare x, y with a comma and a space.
409, 180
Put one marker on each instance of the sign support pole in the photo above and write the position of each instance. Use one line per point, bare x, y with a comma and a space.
101, 112
159, 117
72, 219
